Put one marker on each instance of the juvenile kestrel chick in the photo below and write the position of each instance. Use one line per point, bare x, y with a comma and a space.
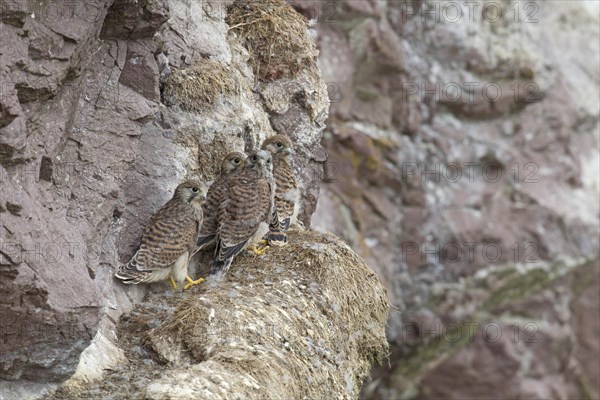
287, 194
231, 164
247, 209
169, 239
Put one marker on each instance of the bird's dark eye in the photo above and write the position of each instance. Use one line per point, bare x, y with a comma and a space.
237, 161
268, 161
279, 144
195, 189
254, 157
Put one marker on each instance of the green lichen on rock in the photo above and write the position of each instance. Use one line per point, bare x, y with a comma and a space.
582, 278
514, 283
439, 348
491, 291
517, 287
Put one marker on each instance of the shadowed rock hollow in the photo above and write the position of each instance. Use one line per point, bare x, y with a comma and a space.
303, 321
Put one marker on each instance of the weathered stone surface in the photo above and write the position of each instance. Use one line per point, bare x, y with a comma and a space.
425, 166
51, 305
128, 20
88, 151
140, 71
585, 328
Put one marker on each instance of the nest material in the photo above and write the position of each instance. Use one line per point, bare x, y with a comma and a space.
210, 156
275, 35
196, 88
303, 321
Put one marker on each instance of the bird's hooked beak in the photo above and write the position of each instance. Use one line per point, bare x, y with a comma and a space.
200, 196
288, 151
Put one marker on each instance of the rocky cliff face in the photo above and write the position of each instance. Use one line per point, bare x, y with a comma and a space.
302, 321
463, 165
95, 133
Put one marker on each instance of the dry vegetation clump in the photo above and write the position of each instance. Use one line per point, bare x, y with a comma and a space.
275, 35
303, 321
196, 88
210, 156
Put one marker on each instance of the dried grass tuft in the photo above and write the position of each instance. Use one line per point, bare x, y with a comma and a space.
303, 321
312, 311
196, 88
275, 35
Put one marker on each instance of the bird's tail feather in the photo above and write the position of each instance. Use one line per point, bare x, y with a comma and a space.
277, 238
129, 273
131, 277
205, 241
220, 267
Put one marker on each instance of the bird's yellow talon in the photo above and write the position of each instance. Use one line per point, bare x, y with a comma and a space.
260, 250
173, 283
192, 282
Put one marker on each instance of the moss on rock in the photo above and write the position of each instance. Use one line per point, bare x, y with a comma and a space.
486, 294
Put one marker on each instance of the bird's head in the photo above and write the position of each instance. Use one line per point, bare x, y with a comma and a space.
258, 160
191, 191
278, 145
232, 162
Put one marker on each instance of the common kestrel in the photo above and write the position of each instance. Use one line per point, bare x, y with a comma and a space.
169, 240
231, 164
287, 194
247, 209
